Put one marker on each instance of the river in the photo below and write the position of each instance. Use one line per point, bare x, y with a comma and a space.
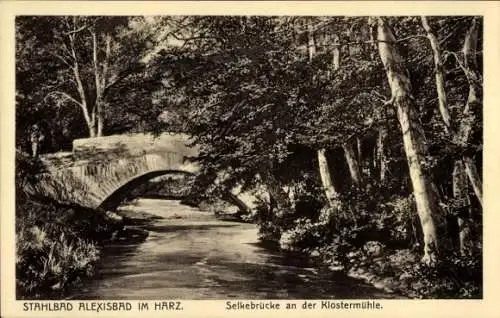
190, 254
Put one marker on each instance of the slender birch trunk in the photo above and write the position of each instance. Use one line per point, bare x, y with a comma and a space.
89, 120
326, 178
359, 145
461, 195
381, 157
438, 72
474, 178
352, 162
426, 197
324, 170
100, 80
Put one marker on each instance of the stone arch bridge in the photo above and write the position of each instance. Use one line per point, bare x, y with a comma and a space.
100, 172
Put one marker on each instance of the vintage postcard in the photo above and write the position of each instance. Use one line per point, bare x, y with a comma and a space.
249, 158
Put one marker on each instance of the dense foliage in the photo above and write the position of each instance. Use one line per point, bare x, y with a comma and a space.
262, 102
362, 137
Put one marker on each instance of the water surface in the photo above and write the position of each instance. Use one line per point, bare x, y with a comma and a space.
190, 254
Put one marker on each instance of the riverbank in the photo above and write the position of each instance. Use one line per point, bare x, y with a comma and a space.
57, 246
400, 272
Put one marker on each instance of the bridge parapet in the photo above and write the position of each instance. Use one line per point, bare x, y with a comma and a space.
99, 172
114, 147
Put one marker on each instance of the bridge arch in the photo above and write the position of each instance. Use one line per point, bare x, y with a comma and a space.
112, 201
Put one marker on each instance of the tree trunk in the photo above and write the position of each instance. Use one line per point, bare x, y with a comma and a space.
364, 166
92, 131
324, 169
463, 168
352, 162
438, 71
326, 178
427, 201
311, 44
471, 108
100, 120
100, 80
384, 168
474, 178
381, 155
89, 120
462, 200
359, 145
277, 192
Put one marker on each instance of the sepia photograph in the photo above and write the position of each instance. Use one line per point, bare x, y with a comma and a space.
228, 157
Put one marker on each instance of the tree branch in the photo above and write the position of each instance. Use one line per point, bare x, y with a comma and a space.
96, 65
66, 95
116, 81
192, 38
455, 55
382, 97
62, 59
360, 132
80, 29
124, 74
106, 60
471, 76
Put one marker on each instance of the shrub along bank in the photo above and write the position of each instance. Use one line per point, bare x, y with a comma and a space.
57, 246
375, 239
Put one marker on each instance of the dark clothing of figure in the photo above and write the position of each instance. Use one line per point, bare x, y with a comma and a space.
36, 137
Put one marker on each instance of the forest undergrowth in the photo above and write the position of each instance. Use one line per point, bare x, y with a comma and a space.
57, 246
374, 239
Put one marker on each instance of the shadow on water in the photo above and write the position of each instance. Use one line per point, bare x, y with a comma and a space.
291, 282
180, 227
295, 275
268, 245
